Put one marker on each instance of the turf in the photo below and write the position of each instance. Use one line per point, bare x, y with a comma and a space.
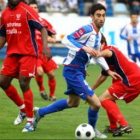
62, 125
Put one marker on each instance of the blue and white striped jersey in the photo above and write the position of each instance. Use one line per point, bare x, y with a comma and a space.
84, 36
133, 32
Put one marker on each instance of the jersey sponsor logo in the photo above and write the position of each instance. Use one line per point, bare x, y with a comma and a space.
18, 16
12, 31
79, 33
14, 24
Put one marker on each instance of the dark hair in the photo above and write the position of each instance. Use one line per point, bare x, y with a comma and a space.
33, 2
103, 39
95, 7
134, 13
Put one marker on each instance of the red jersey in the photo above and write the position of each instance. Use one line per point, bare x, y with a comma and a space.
18, 26
50, 31
126, 68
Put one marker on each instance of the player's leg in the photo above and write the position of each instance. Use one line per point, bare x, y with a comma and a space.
52, 85
26, 72
49, 67
39, 80
60, 105
114, 114
10, 67
28, 100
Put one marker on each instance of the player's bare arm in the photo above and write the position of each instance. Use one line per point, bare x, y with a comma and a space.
105, 53
99, 81
113, 74
46, 50
90, 51
2, 41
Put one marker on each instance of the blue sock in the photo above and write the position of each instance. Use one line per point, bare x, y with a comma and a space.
54, 107
92, 117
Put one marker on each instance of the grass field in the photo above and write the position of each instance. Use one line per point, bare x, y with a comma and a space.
62, 125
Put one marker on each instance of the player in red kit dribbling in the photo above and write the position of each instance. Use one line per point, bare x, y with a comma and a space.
18, 24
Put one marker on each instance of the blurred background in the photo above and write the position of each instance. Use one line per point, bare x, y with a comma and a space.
68, 15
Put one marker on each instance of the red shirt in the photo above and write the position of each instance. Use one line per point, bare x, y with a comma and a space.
126, 68
18, 26
50, 31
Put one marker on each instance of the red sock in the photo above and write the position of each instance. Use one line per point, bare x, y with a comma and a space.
114, 112
28, 100
39, 81
52, 85
113, 123
12, 93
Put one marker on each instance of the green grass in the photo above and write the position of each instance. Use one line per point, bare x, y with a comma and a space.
62, 125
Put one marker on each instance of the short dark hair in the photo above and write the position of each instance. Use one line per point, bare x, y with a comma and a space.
134, 13
95, 7
103, 39
33, 2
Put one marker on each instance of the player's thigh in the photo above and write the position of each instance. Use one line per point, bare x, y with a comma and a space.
40, 71
93, 101
73, 100
106, 95
28, 66
76, 81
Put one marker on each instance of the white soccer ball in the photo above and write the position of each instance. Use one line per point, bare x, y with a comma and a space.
84, 132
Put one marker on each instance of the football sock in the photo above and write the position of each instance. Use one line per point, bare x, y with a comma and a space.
28, 100
12, 93
114, 112
54, 107
52, 85
113, 123
39, 81
92, 117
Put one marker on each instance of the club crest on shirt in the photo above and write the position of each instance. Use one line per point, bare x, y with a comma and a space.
18, 16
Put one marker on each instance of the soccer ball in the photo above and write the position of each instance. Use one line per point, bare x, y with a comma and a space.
84, 132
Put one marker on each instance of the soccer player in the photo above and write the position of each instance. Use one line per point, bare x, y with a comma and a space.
43, 65
18, 24
126, 89
131, 33
83, 45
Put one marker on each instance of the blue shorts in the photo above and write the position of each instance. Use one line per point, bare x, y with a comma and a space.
76, 83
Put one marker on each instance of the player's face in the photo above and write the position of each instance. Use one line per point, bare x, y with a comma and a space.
98, 19
35, 7
14, 2
134, 19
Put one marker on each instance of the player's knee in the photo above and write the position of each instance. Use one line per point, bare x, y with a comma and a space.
40, 73
51, 75
24, 86
4, 84
73, 103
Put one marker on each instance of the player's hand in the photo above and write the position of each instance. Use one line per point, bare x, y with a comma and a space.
90, 51
47, 54
129, 38
51, 40
114, 75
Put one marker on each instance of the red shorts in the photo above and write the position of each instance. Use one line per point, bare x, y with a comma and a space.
47, 65
122, 92
16, 64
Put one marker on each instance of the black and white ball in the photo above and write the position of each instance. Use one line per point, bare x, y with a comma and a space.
84, 132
